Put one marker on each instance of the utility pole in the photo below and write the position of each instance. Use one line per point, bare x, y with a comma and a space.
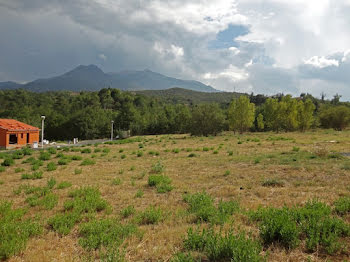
112, 130
42, 131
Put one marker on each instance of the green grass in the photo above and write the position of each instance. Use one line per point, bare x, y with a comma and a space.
104, 233
88, 162
78, 171
63, 223
312, 223
64, 184
19, 170
51, 183
127, 212
44, 156
161, 182
201, 205
8, 162
51, 166
15, 231
33, 176
63, 161
2, 169
116, 181
225, 246
342, 206
151, 215
157, 168
139, 193
272, 183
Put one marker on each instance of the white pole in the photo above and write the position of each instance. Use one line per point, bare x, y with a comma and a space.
112, 130
42, 131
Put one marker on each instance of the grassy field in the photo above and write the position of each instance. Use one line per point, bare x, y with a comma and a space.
279, 197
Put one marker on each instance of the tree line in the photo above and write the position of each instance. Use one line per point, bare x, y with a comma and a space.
88, 115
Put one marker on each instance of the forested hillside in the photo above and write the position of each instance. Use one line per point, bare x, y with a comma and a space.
88, 115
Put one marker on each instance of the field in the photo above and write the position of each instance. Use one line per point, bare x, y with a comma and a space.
279, 197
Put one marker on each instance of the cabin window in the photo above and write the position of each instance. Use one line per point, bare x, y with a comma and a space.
27, 137
13, 139
22, 135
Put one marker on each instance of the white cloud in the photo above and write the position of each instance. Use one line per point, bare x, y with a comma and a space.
321, 62
103, 57
234, 50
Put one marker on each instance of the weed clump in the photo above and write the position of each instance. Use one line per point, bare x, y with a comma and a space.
161, 182
202, 206
152, 215
342, 206
51, 166
44, 156
104, 233
88, 162
272, 183
64, 184
223, 246
127, 212
14, 230
34, 175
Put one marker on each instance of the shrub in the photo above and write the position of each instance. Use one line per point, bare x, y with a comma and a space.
230, 153
17, 154
44, 156
97, 150
139, 154
86, 151
157, 168
176, 150
139, 193
127, 212
312, 222
8, 162
52, 150
85, 200
296, 149
123, 156
76, 158
88, 162
116, 181
51, 183
106, 150
34, 175
192, 155
227, 173
64, 184
78, 171
342, 206
63, 161
27, 151
35, 167
272, 183
49, 201
202, 206
106, 232
14, 230
51, 166
223, 247
151, 215
19, 170
161, 182
205, 149
63, 223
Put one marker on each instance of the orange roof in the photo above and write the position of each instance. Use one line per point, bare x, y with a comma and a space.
14, 125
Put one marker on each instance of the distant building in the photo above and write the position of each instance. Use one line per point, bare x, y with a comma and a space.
15, 134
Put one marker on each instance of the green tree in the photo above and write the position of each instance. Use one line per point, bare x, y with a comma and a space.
241, 114
271, 114
260, 122
336, 117
305, 114
207, 119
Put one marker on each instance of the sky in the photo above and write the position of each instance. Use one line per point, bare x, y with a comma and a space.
260, 46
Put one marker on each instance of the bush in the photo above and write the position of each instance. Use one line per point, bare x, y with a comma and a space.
17, 154
64, 184
313, 222
106, 232
34, 175
157, 168
76, 158
116, 181
51, 166
78, 171
19, 170
63, 223
151, 215
27, 151
336, 117
161, 182
14, 230
139, 154
223, 247
127, 212
272, 183
88, 162
139, 193
44, 156
202, 206
342, 206
52, 150
51, 183
8, 162
86, 151
85, 200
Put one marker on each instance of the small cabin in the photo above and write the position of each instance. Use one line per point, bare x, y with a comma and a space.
15, 134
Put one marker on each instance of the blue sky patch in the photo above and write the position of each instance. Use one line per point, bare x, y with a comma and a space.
225, 38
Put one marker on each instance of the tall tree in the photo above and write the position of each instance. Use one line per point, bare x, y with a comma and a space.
305, 114
241, 114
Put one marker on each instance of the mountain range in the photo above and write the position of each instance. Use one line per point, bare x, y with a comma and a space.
92, 78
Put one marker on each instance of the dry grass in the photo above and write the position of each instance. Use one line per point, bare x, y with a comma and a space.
251, 163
